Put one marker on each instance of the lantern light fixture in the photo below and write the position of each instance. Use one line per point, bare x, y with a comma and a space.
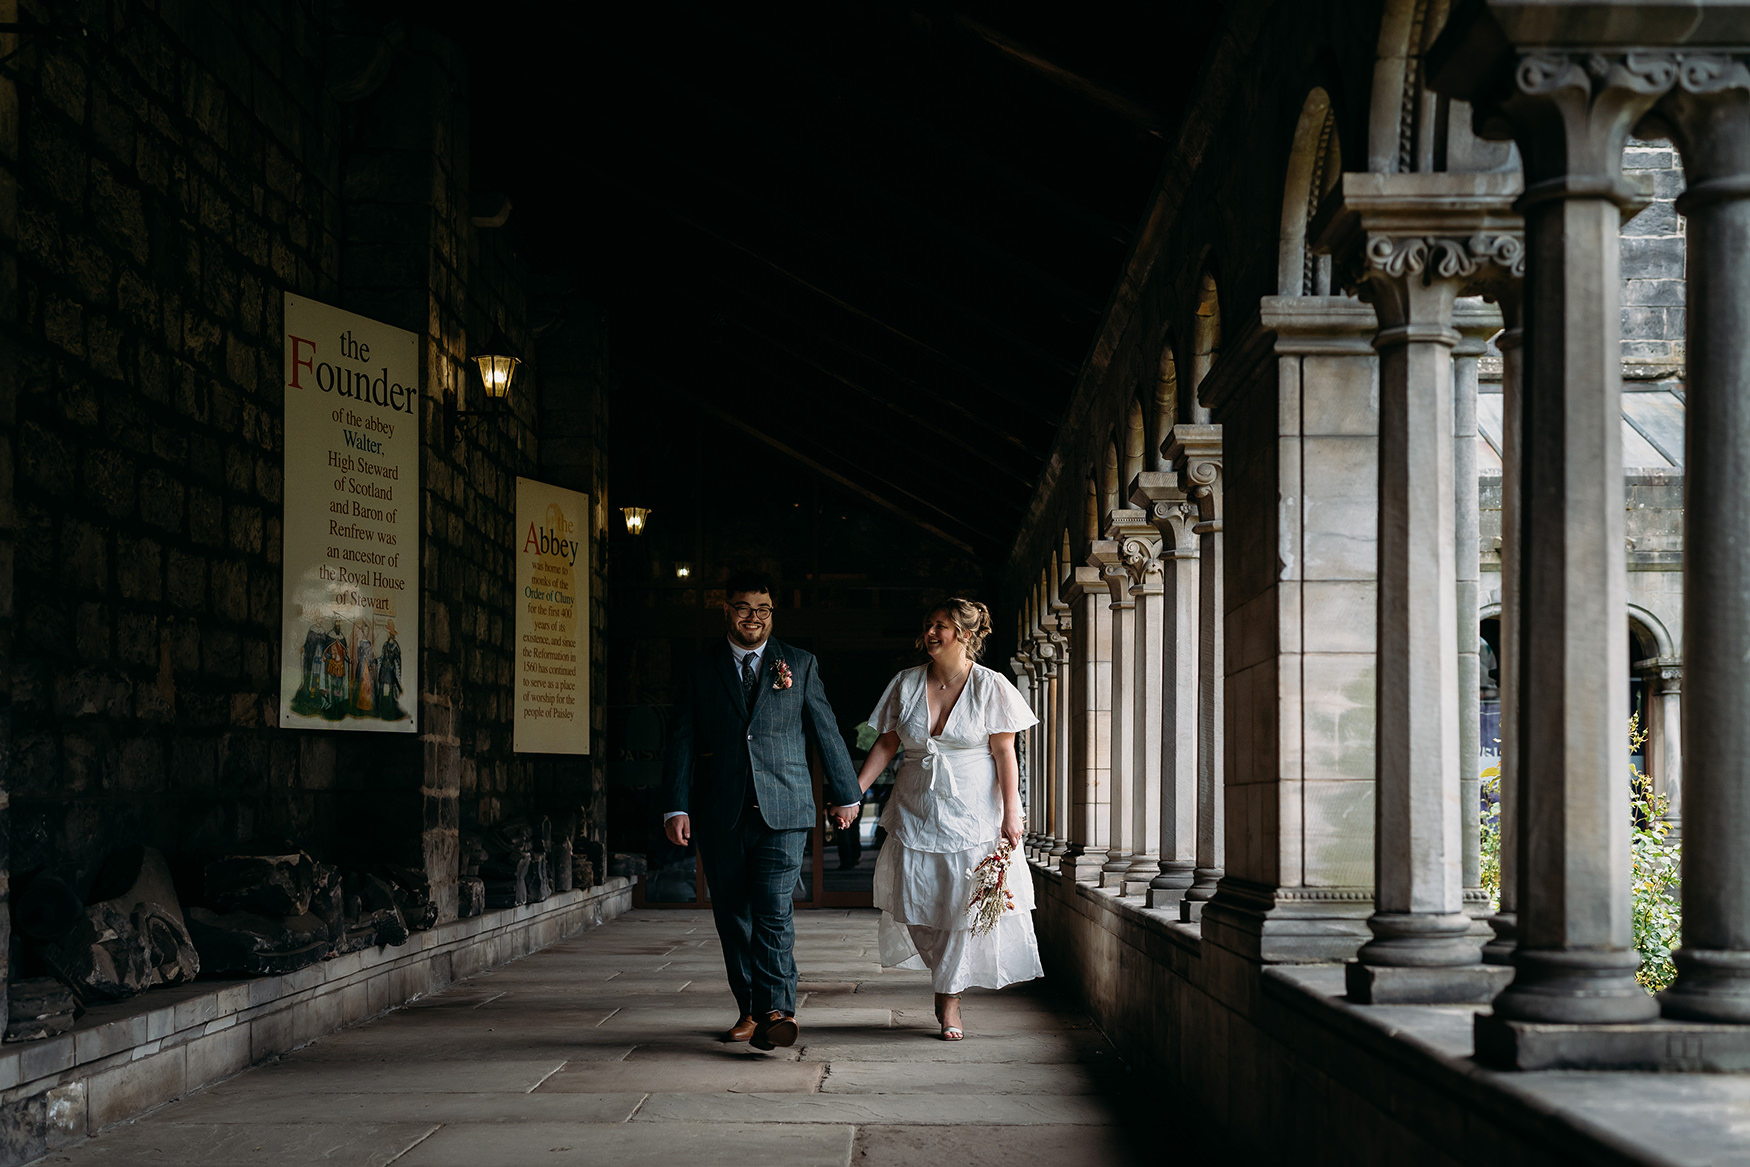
498, 369
683, 571
635, 517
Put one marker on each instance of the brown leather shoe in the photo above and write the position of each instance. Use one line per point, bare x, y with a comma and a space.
741, 1030
775, 1030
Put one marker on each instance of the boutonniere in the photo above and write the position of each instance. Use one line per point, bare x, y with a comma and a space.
780, 675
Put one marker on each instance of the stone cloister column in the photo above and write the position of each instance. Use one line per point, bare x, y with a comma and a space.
1174, 516
1044, 656
1476, 322
1665, 767
1090, 725
1412, 244
1025, 669
1108, 556
1061, 716
1195, 451
1505, 922
1142, 559
1571, 113
1708, 113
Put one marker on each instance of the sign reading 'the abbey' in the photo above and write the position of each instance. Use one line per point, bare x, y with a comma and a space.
349, 645
552, 620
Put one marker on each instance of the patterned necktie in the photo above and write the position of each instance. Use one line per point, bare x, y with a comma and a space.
748, 679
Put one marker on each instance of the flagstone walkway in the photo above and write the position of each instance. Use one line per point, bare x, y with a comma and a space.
602, 1050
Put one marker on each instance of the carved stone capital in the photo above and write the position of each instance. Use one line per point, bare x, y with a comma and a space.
1410, 244
1570, 106
1195, 451
1707, 114
1107, 556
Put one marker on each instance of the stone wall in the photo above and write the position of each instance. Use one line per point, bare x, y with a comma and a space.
182, 167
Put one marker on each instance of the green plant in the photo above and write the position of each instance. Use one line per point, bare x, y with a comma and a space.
1656, 876
1655, 866
1491, 816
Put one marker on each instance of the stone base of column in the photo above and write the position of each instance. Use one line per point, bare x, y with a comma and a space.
1711, 985
1059, 848
1499, 950
1476, 984
1191, 911
1204, 883
1506, 1044
1166, 899
1479, 909
1170, 883
1281, 925
1420, 940
1113, 871
1082, 866
1576, 987
1141, 876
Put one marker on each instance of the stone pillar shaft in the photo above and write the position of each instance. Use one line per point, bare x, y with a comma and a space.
1174, 517
1063, 714
1413, 243
1709, 112
1108, 555
1090, 741
1570, 109
1145, 804
1475, 326
1195, 451
1504, 922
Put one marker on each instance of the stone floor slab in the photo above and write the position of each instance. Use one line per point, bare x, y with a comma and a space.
982, 1146
254, 1107
882, 1109
257, 1145
604, 1049
634, 1145
742, 1076
954, 1078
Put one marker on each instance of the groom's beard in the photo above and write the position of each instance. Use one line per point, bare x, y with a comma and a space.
749, 640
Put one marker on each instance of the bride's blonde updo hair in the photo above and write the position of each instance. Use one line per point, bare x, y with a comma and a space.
970, 617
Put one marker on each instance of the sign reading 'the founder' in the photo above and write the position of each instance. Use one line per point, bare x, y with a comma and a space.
552, 620
349, 654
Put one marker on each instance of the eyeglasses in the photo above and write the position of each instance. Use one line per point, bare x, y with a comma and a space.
743, 611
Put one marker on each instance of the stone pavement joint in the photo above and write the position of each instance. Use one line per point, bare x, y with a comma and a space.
603, 1048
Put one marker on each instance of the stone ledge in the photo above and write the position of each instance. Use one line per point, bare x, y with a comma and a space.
1157, 921
1582, 1115
1660, 1046
124, 1059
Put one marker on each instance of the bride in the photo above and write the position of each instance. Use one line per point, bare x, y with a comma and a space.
957, 793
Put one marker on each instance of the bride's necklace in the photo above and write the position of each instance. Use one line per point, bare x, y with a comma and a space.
955, 681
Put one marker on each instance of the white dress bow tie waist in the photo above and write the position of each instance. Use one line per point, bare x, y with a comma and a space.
936, 763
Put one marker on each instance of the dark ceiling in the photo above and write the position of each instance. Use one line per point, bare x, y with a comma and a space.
877, 238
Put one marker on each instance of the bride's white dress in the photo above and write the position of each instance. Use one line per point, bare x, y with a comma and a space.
944, 815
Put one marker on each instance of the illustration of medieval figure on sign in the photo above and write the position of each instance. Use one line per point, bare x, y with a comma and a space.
351, 669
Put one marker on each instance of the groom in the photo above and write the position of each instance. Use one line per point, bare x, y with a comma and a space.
737, 783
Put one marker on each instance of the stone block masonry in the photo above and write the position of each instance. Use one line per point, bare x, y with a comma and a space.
178, 169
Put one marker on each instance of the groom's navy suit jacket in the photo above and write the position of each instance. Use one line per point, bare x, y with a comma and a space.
719, 746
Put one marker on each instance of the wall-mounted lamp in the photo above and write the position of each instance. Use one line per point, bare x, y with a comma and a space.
683, 571
497, 371
635, 517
